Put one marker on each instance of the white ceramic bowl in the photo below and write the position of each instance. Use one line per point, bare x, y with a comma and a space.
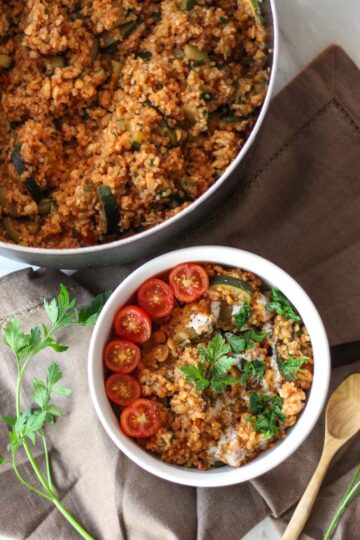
273, 276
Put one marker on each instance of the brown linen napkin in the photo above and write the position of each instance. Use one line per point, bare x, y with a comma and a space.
300, 209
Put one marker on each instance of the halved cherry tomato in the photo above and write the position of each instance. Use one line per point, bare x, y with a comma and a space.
122, 389
189, 281
133, 323
156, 297
121, 356
140, 419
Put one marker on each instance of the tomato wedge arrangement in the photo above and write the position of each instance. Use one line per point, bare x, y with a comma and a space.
189, 281
156, 298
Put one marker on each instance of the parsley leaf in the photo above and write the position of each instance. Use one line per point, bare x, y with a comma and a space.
253, 370
253, 335
213, 367
194, 375
243, 315
216, 348
290, 368
268, 412
89, 315
244, 341
281, 306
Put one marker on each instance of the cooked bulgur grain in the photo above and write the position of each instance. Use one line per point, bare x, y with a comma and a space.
147, 100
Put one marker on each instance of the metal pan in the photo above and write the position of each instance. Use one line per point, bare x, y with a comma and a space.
147, 242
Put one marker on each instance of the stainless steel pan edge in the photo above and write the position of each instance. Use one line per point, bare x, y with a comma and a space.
147, 242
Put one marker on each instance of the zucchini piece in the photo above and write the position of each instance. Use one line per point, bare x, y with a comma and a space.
44, 207
30, 183
109, 209
196, 55
17, 161
3, 199
116, 68
95, 48
232, 119
144, 55
56, 62
233, 283
128, 28
255, 9
5, 61
187, 5
33, 189
9, 225
170, 132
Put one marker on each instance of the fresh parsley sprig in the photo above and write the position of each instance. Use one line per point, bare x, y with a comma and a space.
244, 341
28, 426
243, 315
213, 366
253, 370
281, 306
290, 368
268, 412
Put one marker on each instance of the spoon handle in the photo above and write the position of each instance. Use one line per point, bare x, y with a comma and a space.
303, 509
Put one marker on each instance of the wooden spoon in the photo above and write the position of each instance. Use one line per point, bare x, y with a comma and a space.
342, 421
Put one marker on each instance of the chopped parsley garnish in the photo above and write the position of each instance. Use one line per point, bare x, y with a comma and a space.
144, 55
253, 370
206, 95
212, 369
245, 341
281, 306
224, 21
267, 410
290, 368
243, 315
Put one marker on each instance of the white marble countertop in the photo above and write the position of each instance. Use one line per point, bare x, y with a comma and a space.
306, 28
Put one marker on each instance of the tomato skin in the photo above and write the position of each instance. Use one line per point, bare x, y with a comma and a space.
140, 419
121, 356
189, 281
133, 324
122, 389
156, 297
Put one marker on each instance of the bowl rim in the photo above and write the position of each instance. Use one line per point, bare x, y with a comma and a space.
265, 461
122, 242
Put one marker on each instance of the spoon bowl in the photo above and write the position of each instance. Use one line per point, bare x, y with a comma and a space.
343, 409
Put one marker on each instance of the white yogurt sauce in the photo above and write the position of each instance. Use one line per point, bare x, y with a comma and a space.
201, 323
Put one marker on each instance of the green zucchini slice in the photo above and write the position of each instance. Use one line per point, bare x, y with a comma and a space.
33, 189
231, 282
196, 55
9, 225
109, 209
20, 167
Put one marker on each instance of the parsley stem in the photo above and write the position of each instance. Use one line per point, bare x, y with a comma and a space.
47, 461
25, 483
71, 519
349, 496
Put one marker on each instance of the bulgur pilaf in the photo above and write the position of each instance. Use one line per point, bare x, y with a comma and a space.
227, 372
117, 114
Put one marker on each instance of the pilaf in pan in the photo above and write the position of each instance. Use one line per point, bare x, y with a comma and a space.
117, 114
